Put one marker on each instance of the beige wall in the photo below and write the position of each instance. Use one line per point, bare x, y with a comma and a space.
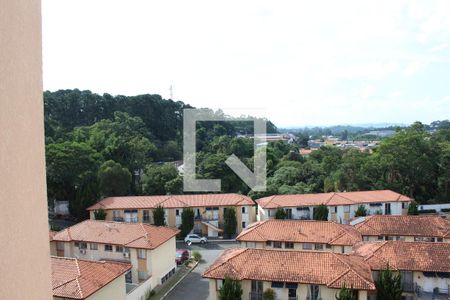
171, 218
297, 246
162, 260
282, 293
22, 161
402, 238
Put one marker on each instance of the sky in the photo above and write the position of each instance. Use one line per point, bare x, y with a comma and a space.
304, 63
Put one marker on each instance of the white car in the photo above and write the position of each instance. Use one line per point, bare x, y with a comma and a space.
195, 239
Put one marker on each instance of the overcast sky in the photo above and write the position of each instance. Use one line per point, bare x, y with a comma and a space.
305, 63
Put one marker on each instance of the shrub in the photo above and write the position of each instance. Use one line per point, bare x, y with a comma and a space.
100, 214
361, 211
230, 222
280, 214
230, 290
196, 255
412, 209
269, 294
345, 294
389, 285
320, 213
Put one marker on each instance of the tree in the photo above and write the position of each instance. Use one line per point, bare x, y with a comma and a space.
361, 211
156, 177
71, 175
269, 294
174, 186
100, 214
280, 213
346, 294
187, 221
113, 179
413, 209
389, 285
230, 223
159, 216
320, 213
230, 290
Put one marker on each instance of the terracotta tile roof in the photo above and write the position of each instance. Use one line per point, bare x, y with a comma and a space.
301, 232
78, 279
428, 226
172, 201
331, 199
407, 256
132, 235
310, 267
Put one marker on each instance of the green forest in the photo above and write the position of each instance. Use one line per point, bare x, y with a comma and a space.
104, 145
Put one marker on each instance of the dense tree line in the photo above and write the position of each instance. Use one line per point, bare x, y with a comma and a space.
103, 145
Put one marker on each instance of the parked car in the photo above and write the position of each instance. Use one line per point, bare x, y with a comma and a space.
181, 256
195, 239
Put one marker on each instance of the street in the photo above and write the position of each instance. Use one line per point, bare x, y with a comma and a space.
194, 286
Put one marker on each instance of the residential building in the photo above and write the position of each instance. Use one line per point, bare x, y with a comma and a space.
341, 206
293, 275
74, 278
300, 235
208, 209
149, 249
424, 267
25, 263
405, 228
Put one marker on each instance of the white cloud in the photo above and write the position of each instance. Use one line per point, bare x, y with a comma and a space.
321, 60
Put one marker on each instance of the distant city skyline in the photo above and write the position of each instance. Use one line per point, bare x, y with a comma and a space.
307, 64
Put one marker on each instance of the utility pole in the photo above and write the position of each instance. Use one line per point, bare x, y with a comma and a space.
171, 92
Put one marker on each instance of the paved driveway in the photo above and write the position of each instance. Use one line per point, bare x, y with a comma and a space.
194, 286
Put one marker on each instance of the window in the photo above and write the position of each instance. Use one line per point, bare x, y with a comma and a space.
219, 283
380, 238
108, 248
277, 244
440, 240
277, 284
365, 238
307, 246
77, 244
244, 224
269, 243
119, 249
82, 245
346, 208
335, 209
93, 246
128, 277
269, 212
289, 245
116, 215
142, 253
313, 292
318, 246
328, 246
177, 212
146, 216
375, 275
404, 205
60, 246
243, 209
